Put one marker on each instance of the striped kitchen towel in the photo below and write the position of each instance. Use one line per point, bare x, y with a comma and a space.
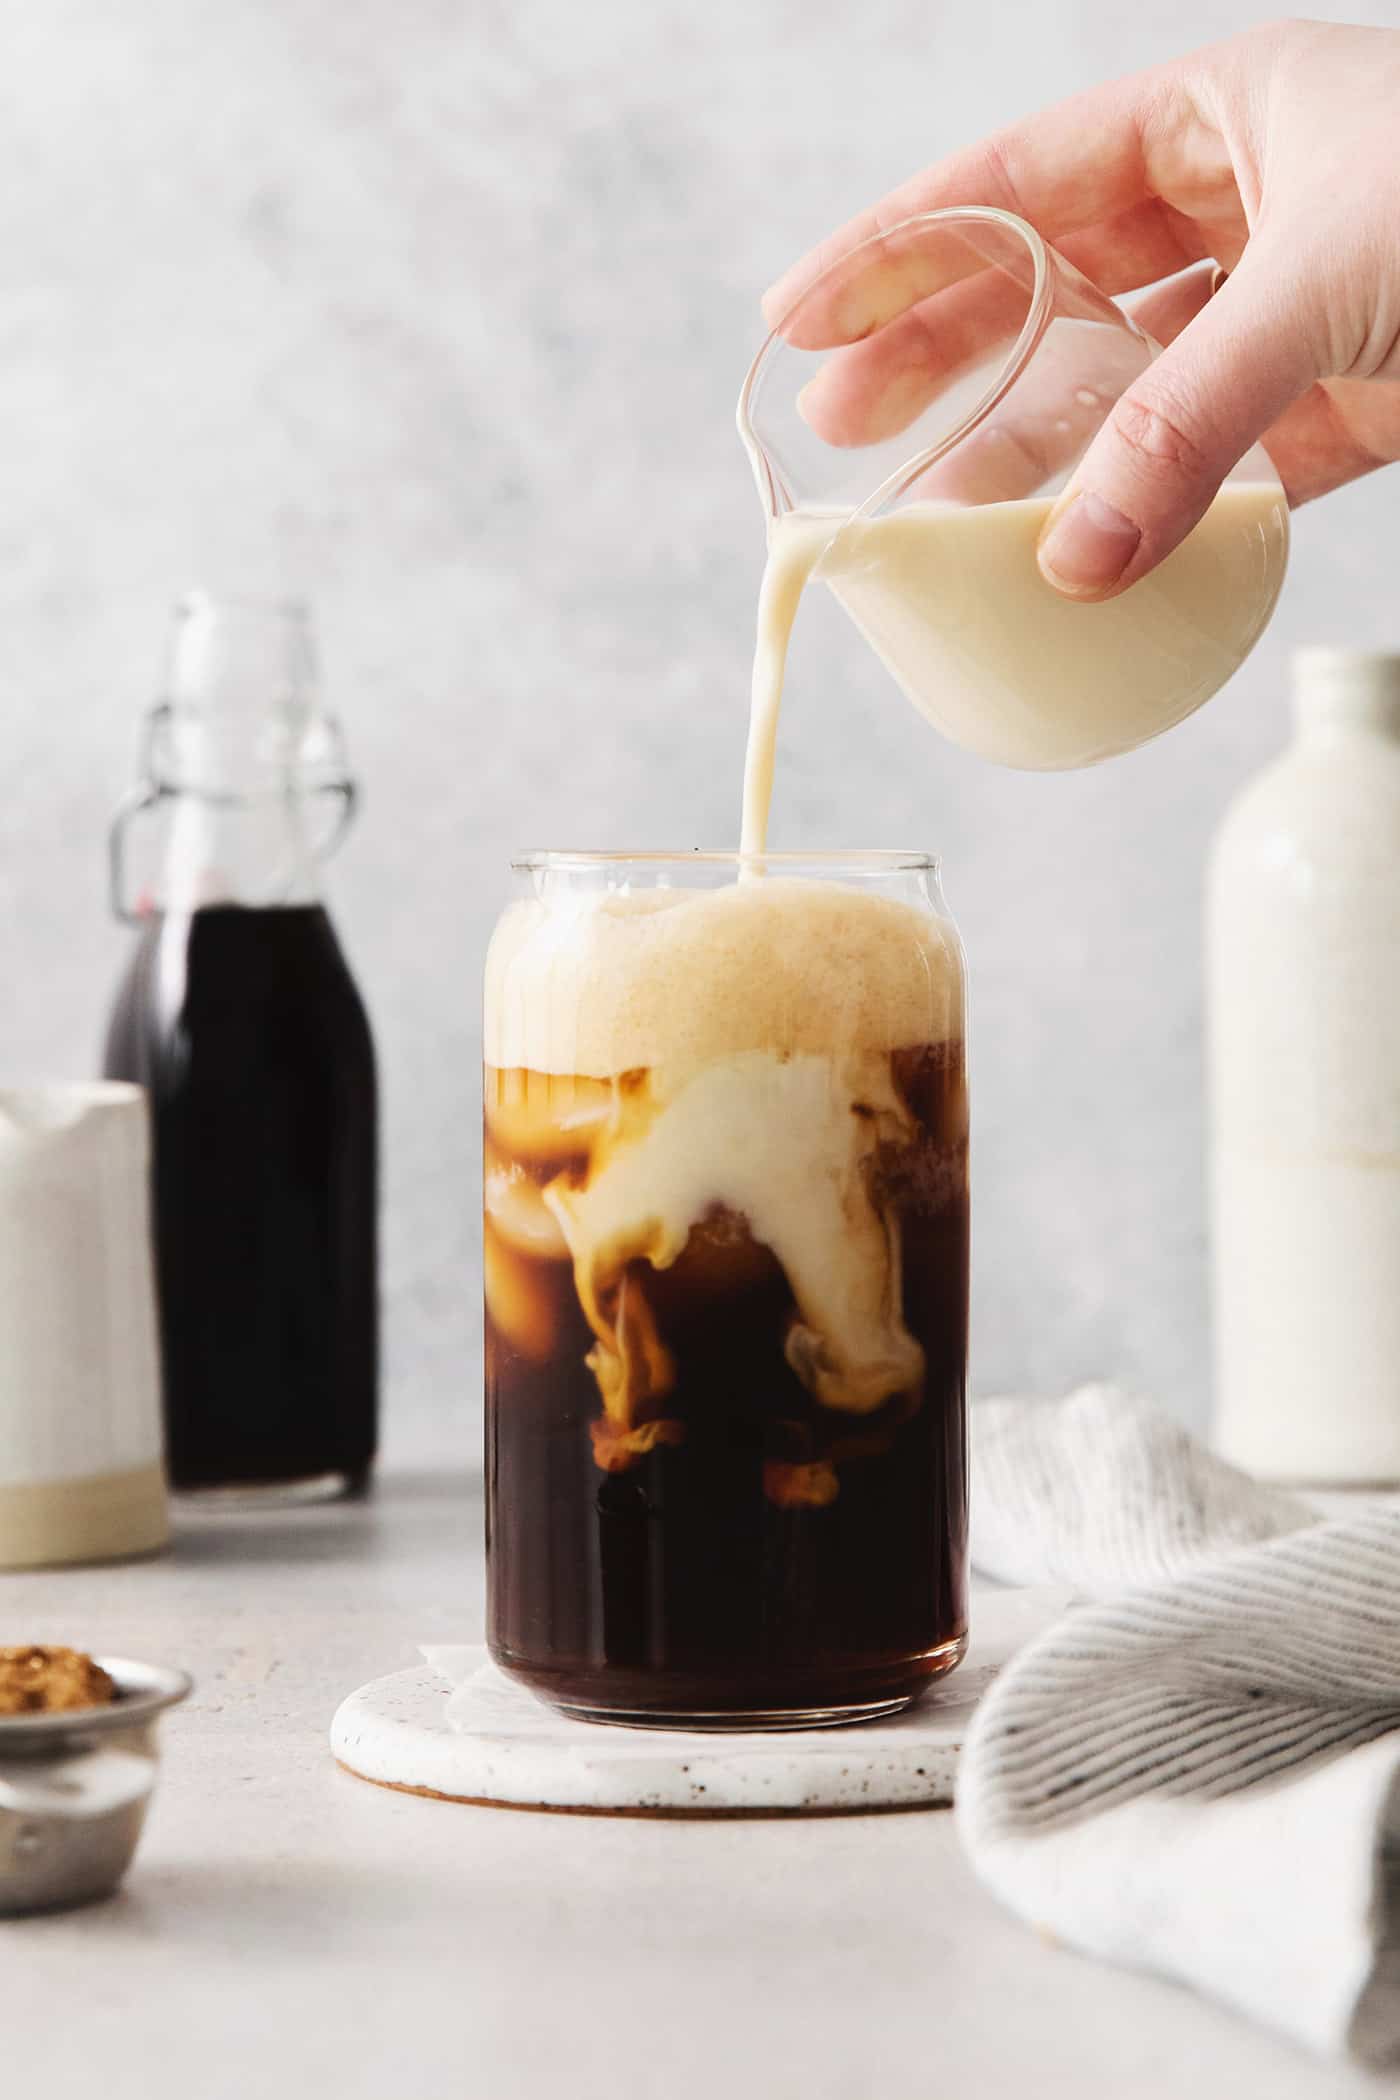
1197, 1771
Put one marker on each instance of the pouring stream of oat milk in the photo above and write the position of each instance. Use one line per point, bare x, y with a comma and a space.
910, 425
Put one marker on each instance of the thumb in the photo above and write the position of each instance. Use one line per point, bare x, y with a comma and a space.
1162, 454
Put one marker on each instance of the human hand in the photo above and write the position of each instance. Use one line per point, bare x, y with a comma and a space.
1273, 155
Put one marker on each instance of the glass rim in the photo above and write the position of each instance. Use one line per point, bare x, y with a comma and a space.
1038, 307
875, 860
1034, 242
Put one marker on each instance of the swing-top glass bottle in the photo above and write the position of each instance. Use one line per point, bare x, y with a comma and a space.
240, 1017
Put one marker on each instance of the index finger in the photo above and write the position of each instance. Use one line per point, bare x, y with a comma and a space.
1083, 161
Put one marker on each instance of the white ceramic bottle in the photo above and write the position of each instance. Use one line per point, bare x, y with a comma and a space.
1303, 997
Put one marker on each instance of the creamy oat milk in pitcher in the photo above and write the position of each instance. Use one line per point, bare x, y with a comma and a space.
911, 423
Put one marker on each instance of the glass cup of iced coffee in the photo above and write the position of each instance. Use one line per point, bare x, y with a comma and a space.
726, 1243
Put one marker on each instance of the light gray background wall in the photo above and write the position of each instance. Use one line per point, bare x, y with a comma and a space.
438, 313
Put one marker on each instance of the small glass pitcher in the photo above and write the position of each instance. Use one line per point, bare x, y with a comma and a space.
910, 423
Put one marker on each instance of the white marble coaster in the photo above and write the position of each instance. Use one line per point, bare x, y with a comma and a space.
457, 1728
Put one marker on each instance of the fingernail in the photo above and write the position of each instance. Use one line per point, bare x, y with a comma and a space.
1088, 546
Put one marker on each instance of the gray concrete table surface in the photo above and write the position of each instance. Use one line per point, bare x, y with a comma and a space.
287, 1928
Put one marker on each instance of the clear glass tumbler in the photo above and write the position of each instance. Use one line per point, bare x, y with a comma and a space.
726, 1244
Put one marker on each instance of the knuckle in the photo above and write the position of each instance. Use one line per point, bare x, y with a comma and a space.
1158, 438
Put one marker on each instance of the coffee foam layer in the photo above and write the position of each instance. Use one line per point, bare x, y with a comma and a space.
671, 980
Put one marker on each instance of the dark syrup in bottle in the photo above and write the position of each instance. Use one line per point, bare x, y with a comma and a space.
245, 1027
